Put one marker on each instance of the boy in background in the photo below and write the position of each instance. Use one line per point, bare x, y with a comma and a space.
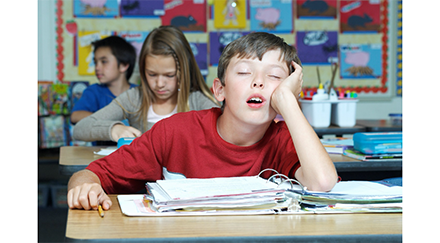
114, 60
255, 82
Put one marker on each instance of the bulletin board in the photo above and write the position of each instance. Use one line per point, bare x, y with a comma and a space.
358, 35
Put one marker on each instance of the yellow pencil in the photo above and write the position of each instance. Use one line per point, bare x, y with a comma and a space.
101, 212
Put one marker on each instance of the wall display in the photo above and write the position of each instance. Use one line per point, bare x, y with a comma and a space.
399, 49
361, 61
271, 15
187, 15
218, 41
322, 30
86, 66
95, 8
317, 47
230, 13
316, 9
360, 16
136, 39
142, 8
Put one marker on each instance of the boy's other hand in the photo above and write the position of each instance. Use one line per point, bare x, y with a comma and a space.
121, 131
88, 196
292, 85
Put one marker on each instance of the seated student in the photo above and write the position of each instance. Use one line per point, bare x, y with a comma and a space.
171, 83
114, 60
240, 139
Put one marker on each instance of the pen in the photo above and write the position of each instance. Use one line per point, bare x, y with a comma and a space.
101, 212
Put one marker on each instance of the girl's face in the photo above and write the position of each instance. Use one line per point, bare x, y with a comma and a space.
161, 75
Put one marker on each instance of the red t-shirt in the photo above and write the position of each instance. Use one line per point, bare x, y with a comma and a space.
187, 145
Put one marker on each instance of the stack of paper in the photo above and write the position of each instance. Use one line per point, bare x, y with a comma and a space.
217, 194
354, 196
254, 195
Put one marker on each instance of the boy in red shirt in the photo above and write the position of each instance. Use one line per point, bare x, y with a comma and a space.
255, 82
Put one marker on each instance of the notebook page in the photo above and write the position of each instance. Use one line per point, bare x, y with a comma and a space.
194, 188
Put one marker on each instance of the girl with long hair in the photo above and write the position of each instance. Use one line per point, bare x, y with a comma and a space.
171, 83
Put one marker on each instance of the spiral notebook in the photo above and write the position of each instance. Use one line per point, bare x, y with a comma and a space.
254, 195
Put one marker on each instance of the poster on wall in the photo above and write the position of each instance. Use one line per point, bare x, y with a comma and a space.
136, 39
317, 47
95, 8
142, 8
86, 66
380, 87
230, 14
188, 16
360, 16
200, 51
316, 9
271, 16
361, 61
218, 41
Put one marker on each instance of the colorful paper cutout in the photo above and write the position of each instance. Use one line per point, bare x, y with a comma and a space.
200, 51
218, 41
317, 47
361, 61
187, 15
95, 8
142, 8
230, 13
360, 16
316, 9
271, 15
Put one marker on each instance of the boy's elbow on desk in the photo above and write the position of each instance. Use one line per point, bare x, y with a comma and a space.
325, 184
322, 182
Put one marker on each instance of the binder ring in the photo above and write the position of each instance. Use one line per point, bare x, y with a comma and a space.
261, 172
289, 180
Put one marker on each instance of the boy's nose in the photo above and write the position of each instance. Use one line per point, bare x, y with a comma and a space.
255, 84
97, 66
258, 80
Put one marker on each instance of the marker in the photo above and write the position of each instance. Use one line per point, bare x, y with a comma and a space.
101, 212
341, 94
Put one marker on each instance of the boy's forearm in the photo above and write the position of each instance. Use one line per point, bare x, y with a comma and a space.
317, 170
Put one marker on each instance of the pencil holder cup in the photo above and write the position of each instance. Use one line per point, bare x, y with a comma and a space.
344, 113
317, 113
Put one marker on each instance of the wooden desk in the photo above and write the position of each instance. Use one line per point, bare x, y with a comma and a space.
75, 158
85, 225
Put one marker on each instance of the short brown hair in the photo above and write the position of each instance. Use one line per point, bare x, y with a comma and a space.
256, 44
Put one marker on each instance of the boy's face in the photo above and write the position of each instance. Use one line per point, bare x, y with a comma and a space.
249, 84
106, 66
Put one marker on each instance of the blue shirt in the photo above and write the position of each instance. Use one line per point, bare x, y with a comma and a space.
95, 97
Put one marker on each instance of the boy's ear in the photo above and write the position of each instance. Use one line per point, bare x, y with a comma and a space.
123, 67
218, 90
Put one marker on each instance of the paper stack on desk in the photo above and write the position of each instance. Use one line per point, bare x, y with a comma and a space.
252, 195
249, 193
354, 197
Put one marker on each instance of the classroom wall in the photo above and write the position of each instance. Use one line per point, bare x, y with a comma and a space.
367, 108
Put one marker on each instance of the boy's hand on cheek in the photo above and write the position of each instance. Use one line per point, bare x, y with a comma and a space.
290, 87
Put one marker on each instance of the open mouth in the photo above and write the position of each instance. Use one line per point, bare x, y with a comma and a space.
255, 100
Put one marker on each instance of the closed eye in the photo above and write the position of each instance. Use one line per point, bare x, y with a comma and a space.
274, 76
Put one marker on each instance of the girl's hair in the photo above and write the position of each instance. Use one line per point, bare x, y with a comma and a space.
170, 41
